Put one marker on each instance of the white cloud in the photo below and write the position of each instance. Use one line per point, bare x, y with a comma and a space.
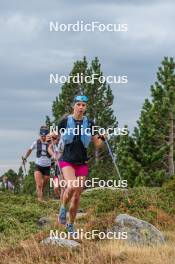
16, 134
19, 28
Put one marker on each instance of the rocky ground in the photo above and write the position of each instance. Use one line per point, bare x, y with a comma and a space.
23, 228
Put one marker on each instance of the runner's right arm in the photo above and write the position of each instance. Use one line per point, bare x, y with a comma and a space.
29, 151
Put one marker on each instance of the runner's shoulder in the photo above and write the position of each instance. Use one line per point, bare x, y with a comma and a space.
91, 122
33, 146
63, 122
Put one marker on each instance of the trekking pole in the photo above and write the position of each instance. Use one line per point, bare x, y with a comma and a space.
24, 166
115, 165
57, 163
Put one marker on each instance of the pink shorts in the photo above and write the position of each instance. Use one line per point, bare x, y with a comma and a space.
80, 170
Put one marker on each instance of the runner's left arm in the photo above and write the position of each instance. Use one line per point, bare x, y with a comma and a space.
96, 139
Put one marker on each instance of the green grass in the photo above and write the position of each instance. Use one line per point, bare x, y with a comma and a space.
19, 213
144, 202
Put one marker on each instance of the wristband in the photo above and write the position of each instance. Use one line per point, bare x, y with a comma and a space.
101, 137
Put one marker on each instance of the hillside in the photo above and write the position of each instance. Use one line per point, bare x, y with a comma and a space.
20, 234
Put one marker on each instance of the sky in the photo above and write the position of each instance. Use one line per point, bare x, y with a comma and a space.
29, 52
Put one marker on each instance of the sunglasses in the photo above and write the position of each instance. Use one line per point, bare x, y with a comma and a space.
81, 98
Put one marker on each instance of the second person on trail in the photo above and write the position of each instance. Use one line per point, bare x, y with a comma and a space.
43, 161
74, 159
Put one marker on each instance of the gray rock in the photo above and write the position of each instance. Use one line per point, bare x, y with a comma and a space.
43, 221
138, 231
60, 242
80, 210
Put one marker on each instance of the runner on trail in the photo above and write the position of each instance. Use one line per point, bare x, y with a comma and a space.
73, 162
43, 161
7, 184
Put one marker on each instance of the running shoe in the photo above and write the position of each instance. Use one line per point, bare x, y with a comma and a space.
70, 229
62, 215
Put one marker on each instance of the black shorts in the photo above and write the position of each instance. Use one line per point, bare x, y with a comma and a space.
44, 170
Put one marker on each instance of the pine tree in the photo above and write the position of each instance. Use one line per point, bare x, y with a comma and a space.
155, 132
29, 181
63, 102
127, 159
99, 105
100, 95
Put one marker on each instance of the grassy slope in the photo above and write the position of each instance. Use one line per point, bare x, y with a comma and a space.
19, 214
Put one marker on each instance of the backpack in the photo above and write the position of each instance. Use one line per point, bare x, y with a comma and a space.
39, 149
68, 137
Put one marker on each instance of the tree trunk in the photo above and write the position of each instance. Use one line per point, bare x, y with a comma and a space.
171, 144
96, 156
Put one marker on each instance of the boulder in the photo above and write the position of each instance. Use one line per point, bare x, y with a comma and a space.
61, 242
44, 221
138, 231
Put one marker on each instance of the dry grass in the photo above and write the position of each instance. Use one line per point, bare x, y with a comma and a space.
101, 252
140, 255
19, 246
